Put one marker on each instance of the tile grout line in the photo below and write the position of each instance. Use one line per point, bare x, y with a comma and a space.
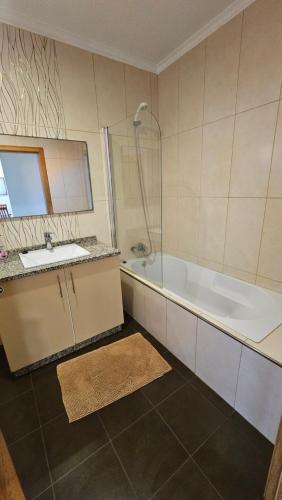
237, 381
43, 439
209, 400
268, 184
98, 449
172, 432
156, 405
202, 125
209, 436
190, 455
169, 478
41, 493
35, 429
15, 398
13, 443
232, 147
225, 117
80, 463
206, 477
129, 425
117, 456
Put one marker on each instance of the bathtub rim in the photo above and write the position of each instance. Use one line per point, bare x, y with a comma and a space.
176, 299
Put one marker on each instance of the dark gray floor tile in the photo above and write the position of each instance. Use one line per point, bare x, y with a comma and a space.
187, 484
30, 463
68, 444
18, 417
118, 415
163, 386
47, 495
98, 478
224, 407
177, 364
150, 454
48, 394
12, 387
254, 437
191, 416
232, 464
170, 358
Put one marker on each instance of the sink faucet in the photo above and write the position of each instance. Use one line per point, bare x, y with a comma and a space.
48, 240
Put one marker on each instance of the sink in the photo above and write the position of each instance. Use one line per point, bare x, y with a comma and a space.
43, 256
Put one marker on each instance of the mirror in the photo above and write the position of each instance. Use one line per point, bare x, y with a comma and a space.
43, 176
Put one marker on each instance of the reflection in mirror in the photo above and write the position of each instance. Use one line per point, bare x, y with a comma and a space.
43, 176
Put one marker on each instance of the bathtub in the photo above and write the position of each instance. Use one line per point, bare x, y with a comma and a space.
251, 311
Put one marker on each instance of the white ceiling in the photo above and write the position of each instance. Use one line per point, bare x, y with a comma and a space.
146, 33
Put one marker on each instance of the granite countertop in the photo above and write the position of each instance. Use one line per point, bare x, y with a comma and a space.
12, 268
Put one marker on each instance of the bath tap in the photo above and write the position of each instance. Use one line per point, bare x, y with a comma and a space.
48, 240
140, 247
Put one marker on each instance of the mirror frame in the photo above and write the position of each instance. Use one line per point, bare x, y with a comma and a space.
44, 175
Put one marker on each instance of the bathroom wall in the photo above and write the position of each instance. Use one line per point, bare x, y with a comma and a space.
220, 110
50, 89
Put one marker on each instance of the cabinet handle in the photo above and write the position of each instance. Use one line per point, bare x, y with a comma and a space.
60, 286
72, 282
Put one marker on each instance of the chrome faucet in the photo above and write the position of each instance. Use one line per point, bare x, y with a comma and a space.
140, 247
48, 240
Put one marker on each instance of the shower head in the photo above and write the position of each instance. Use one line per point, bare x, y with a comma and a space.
142, 106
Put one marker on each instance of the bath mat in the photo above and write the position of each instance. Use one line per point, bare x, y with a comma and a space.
98, 378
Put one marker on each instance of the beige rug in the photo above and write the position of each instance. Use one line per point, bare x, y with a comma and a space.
96, 379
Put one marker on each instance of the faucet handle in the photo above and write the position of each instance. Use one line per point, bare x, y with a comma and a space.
47, 234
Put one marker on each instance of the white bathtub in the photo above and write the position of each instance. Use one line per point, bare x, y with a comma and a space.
251, 311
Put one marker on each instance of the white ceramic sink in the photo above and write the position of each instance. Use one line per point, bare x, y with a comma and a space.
43, 256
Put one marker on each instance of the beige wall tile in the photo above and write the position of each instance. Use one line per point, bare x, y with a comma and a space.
96, 223
222, 59
243, 234
275, 181
170, 222
217, 152
78, 87
253, 143
137, 88
260, 72
171, 176
276, 286
109, 77
191, 88
210, 264
168, 100
239, 274
270, 261
118, 146
190, 162
213, 212
188, 225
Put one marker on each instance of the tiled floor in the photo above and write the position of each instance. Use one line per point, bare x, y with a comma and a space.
175, 439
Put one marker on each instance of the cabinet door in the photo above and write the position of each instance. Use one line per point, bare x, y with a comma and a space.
95, 297
34, 318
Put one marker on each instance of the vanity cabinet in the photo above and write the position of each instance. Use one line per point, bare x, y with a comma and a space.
34, 318
48, 312
95, 297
